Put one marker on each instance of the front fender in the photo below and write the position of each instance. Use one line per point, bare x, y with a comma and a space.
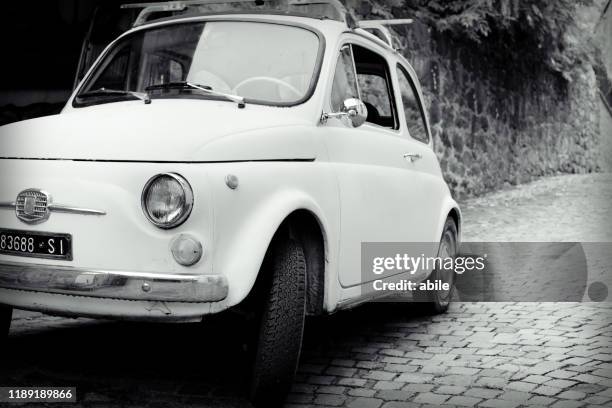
247, 218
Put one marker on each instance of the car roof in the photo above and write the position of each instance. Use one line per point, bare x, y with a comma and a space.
327, 27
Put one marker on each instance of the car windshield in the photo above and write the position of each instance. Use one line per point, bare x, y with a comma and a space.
262, 62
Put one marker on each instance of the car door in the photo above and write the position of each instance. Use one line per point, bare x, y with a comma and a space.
423, 168
380, 202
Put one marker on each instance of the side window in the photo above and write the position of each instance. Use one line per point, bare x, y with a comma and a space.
345, 84
374, 80
415, 118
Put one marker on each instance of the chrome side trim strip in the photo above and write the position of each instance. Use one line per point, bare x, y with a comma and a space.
113, 284
74, 210
59, 208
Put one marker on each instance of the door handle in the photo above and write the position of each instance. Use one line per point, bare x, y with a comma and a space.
412, 157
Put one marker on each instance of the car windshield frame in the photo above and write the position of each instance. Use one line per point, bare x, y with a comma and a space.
104, 59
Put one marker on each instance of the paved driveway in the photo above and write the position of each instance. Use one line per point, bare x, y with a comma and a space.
380, 355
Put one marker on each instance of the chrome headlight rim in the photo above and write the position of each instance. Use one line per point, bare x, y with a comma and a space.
187, 207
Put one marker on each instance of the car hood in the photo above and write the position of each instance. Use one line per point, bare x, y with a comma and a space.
165, 130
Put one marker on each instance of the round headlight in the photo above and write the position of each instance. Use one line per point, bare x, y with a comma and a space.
167, 200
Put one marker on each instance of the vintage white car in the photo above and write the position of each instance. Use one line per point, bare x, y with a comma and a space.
218, 161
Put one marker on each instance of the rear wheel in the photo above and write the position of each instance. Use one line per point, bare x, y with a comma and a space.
282, 325
437, 301
6, 315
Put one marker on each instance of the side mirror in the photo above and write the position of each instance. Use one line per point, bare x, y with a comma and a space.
354, 109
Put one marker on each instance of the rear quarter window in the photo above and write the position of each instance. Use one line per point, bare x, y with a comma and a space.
413, 108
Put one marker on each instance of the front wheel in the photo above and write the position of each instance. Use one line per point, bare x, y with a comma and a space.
437, 301
282, 325
6, 315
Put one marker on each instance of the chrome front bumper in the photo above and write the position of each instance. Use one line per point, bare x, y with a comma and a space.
113, 284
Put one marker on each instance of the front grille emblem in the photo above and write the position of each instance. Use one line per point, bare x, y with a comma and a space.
29, 206
32, 206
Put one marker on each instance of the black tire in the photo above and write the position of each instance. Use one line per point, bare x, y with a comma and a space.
282, 325
6, 315
436, 301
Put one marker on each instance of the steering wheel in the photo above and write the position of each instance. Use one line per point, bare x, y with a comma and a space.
276, 81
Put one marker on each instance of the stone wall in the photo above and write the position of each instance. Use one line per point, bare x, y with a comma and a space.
603, 33
497, 122
495, 126
605, 126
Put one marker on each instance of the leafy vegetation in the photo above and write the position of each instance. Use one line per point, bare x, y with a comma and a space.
538, 32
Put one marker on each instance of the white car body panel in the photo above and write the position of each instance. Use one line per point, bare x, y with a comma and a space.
355, 182
133, 131
384, 196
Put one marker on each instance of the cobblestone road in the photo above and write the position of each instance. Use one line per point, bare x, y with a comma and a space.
380, 355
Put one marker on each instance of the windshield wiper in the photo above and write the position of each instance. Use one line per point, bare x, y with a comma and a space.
169, 85
204, 88
143, 96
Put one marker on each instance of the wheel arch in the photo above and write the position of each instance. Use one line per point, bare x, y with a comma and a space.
451, 209
455, 214
286, 216
305, 227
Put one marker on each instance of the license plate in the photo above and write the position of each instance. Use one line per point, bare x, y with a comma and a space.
36, 244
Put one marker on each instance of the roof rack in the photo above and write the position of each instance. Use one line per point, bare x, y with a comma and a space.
380, 30
330, 9
322, 9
